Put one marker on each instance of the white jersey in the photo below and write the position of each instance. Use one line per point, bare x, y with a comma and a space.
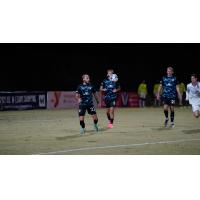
193, 95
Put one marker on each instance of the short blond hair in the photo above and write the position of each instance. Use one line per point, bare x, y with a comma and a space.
170, 68
84, 75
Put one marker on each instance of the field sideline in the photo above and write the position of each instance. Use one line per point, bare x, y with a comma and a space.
136, 132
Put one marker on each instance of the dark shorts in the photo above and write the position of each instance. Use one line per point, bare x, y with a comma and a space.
110, 103
169, 101
90, 109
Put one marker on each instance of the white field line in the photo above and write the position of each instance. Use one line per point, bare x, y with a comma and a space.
119, 146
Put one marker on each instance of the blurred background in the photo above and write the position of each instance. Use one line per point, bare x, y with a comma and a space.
60, 66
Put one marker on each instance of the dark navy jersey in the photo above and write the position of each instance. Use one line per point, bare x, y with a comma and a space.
110, 86
169, 84
86, 92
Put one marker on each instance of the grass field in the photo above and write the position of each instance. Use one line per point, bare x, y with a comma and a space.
136, 131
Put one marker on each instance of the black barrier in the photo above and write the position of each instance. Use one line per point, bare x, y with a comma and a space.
23, 100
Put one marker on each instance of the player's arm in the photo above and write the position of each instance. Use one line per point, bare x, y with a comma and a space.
187, 93
94, 92
78, 96
117, 89
102, 87
96, 97
159, 91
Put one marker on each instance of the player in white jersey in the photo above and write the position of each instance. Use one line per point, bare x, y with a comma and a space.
193, 95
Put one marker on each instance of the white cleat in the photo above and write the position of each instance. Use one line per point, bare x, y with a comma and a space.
172, 125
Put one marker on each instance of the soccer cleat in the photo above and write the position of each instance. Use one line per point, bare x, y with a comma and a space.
110, 125
96, 127
166, 122
82, 131
172, 125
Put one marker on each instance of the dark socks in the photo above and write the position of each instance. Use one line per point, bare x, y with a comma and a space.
108, 115
95, 121
111, 121
166, 113
82, 123
172, 116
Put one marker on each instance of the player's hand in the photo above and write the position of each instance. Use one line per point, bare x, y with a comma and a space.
79, 100
115, 90
158, 97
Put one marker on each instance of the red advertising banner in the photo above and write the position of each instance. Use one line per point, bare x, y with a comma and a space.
124, 99
64, 99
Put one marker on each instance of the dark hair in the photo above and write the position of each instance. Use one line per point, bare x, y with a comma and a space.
195, 76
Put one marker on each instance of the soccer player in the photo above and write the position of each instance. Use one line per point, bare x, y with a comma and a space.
155, 92
182, 91
84, 95
169, 84
110, 87
193, 95
142, 92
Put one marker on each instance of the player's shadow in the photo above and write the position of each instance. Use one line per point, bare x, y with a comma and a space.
192, 131
161, 129
88, 133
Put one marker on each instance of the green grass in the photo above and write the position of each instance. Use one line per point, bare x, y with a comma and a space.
136, 131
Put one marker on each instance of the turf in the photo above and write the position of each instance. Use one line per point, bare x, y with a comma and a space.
136, 132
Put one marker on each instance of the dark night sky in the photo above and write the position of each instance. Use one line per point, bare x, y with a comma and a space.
59, 66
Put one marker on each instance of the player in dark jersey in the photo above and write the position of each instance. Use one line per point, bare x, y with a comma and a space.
84, 95
170, 88
110, 87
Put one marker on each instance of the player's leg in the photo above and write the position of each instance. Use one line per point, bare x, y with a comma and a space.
82, 111
172, 116
196, 114
111, 117
143, 103
92, 111
112, 112
108, 114
166, 113
82, 124
181, 100
143, 100
155, 100
95, 120
196, 110
140, 101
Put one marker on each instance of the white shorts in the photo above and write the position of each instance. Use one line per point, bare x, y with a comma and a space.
142, 95
195, 104
195, 107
